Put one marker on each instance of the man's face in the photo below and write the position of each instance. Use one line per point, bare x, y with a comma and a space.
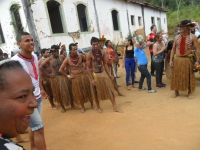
73, 50
101, 44
184, 28
154, 29
17, 103
26, 43
47, 53
95, 45
55, 52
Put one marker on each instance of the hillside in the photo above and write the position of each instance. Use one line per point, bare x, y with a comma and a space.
189, 9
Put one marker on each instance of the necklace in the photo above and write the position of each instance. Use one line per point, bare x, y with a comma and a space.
74, 59
98, 58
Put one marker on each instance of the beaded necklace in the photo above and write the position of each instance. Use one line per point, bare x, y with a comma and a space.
74, 59
98, 59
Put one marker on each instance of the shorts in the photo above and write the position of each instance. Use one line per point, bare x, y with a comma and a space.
36, 117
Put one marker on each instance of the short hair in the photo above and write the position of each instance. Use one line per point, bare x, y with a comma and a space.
44, 50
20, 34
94, 39
106, 43
1, 52
72, 44
151, 28
7, 64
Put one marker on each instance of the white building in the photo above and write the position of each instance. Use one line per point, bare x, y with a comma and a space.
68, 21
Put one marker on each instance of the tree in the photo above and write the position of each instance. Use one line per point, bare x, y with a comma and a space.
178, 2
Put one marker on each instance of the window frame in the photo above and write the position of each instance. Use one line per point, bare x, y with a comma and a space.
133, 20
2, 41
140, 21
118, 20
87, 18
63, 20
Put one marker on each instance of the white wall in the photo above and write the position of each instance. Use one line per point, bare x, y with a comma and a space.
8, 30
104, 8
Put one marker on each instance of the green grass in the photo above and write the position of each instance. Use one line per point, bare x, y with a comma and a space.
186, 12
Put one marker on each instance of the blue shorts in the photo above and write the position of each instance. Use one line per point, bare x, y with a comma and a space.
36, 117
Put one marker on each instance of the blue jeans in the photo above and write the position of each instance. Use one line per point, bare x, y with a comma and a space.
144, 74
159, 67
130, 68
36, 119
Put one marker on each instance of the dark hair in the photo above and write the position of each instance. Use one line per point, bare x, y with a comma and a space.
7, 64
106, 43
20, 34
44, 50
94, 39
157, 36
130, 40
151, 28
5, 54
170, 45
1, 52
53, 47
37, 53
72, 44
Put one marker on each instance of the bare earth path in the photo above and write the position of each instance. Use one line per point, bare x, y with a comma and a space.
151, 121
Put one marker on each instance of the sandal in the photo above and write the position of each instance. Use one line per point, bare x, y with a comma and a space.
142, 89
152, 91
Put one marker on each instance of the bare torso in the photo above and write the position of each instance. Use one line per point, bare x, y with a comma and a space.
55, 64
47, 67
75, 68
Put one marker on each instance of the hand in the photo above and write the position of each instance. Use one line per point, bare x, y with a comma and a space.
94, 83
43, 94
72, 76
171, 64
112, 78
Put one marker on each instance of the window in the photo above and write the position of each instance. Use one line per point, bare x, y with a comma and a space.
2, 40
55, 16
140, 21
82, 17
16, 20
132, 20
152, 20
115, 20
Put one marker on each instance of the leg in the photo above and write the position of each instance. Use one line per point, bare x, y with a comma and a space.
162, 69
127, 67
140, 68
152, 65
157, 66
53, 106
176, 93
92, 105
133, 72
116, 109
97, 101
73, 106
82, 108
39, 140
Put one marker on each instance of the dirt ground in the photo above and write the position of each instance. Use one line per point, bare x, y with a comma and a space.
151, 121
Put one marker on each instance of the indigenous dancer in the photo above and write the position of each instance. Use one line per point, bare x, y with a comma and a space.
46, 81
80, 83
102, 83
112, 62
183, 77
60, 84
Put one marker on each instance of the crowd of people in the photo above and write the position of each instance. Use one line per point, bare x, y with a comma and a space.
77, 78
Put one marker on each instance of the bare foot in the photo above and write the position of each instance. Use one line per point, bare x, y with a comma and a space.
120, 94
63, 110
55, 107
20, 140
83, 109
134, 86
190, 96
93, 107
118, 110
99, 110
175, 94
128, 88
75, 107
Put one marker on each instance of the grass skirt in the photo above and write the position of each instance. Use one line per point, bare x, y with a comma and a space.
182, 75
47, 86
104, 89
81, 89
61, 90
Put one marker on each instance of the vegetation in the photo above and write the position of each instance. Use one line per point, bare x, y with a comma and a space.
178, 10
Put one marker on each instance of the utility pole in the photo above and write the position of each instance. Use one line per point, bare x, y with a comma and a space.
97, 19
31, 25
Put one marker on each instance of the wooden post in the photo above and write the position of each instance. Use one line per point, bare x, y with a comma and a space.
31, 25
